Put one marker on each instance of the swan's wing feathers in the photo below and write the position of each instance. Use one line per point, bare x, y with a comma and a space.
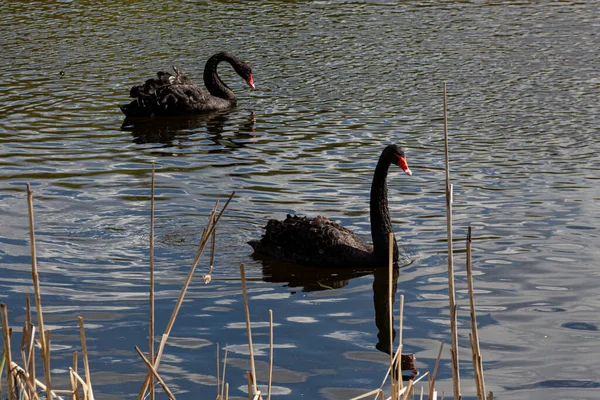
300, 240
184, 97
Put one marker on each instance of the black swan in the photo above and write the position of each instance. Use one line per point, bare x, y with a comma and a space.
321, 242
177, 95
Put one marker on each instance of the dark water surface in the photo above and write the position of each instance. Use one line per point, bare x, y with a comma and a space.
336, 81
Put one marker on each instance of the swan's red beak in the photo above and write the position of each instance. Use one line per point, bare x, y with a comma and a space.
251, 82
404, 165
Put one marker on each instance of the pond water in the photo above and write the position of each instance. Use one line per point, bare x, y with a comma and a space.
336, 81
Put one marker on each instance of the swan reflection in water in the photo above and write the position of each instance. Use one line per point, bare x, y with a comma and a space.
310, 279
167, 130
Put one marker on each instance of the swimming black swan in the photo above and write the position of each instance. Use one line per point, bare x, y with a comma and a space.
177, 95
321, 242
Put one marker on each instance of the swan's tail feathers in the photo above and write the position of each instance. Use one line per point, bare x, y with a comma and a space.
254, 244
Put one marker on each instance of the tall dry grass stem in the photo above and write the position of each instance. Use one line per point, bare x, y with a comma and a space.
151, 321
476, 350
208, 230
270, 354
7, 353
390, 307
86, 363
155, 374
248, 327
36, 283
224, 370
451, 291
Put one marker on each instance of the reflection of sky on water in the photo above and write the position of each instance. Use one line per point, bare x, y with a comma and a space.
523, 117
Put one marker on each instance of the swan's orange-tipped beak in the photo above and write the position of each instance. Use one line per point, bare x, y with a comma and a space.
251, 82
404, 165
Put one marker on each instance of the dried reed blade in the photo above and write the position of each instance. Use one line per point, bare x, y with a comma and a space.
477, 358
84, 386
435, 369
7, 353
74, 385
86, 364
270, 354
248, 328
224, 370
389, 370
451, 291
155, 374
408, 390
17, 369
204, 239
151, 299
377, 392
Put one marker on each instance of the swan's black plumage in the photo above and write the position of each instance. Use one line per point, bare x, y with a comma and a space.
321, 242
176, 94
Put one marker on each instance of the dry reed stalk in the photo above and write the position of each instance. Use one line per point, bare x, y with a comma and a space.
390, 306
36, 280
376, 392
435, 369
204, 239
31, 355
24, 341
224, 370
151, 299
46, 360
155, 374
270, 354
407, 390
84, 386
20, 370
451, 292
86, 364
477, 358
75, 368
480, 396
389, 370
400, 345
248, 328
218, 372
213, 239
249, 380
22, 376
29, 364
2, 363
7, 353
227, 391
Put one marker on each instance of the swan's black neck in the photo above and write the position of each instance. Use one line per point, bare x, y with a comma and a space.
213, 82
381, 225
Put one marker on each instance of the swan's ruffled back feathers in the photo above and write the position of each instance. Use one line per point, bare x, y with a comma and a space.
318, 241
169, 94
